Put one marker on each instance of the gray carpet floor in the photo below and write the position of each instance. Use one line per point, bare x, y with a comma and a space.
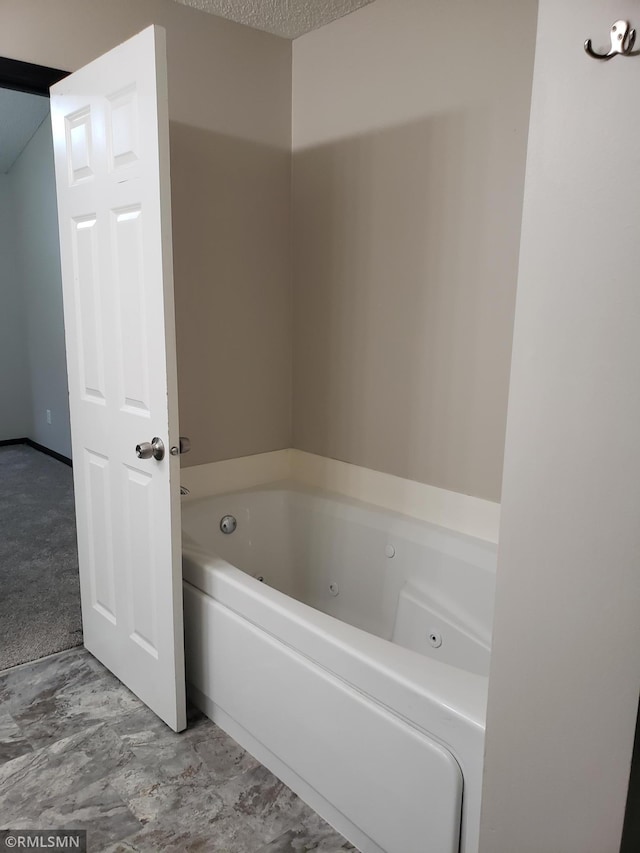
39, 586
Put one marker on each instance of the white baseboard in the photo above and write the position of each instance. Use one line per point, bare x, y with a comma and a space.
463, 513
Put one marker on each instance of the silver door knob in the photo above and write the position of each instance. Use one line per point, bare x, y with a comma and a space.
184, 446
148, 449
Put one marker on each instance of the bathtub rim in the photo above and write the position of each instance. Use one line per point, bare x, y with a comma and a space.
460, 693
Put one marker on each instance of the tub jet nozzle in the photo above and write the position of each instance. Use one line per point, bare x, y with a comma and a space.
228, 524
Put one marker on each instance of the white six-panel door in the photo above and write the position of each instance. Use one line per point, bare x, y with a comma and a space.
111, 141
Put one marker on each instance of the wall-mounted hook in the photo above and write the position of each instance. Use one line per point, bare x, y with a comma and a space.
622, 40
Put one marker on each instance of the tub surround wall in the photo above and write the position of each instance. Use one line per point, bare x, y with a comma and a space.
409, 140
463, 513
229, 475
230, 135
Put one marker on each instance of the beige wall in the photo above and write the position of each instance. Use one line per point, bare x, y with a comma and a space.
409, 135
15, 410
34, 210
230, 111
408, 166
565, 672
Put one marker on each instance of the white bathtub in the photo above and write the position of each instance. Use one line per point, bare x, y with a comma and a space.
356, 670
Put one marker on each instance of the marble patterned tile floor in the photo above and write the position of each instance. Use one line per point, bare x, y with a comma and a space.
79, 751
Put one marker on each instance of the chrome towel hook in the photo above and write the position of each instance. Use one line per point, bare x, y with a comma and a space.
623, 38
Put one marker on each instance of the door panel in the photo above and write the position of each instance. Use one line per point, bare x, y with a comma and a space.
110, 128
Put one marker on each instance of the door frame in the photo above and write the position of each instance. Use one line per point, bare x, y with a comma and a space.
31, 79
28, 77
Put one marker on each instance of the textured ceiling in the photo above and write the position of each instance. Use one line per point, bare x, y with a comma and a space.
20, 116
288, 18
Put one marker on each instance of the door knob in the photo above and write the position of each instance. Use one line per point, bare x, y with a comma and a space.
148, 449
184, 446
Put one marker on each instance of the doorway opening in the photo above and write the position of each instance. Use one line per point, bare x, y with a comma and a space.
40, 602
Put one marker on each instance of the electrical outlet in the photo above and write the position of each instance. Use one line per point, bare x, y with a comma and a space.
48, 416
